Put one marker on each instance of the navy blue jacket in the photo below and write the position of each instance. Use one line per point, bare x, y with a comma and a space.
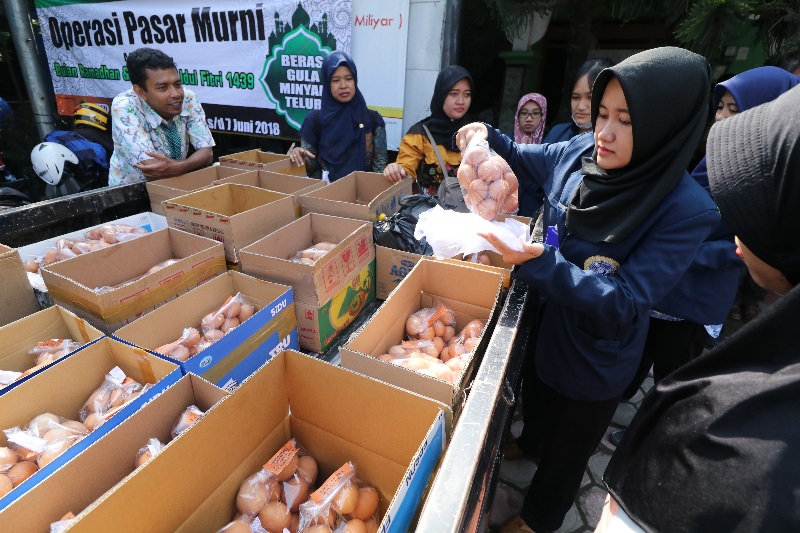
596, 297
562, 132
706, 291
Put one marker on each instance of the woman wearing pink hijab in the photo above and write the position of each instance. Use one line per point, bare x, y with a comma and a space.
529, 129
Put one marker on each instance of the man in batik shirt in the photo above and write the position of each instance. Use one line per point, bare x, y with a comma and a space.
154, 123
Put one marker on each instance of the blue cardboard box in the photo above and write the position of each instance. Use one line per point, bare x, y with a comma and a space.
63, 389
228, 361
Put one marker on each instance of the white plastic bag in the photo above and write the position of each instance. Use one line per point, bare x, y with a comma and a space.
450, 233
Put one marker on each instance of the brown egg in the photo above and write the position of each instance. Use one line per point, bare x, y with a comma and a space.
444, 355
246, 312
354, 525
429, 348
318, 528
143, 457
324, 518
327, 246
415, 325
31, 266
229, 324
43, 423
232, 309
473, 328
5, 485
457, 349
345, 501
117, 397
427, 334
288, 470
386, 358
58, 434
98, 401
7, 457
372, 526
53, 451
50, 257
273, 490
236, 526
191, 337
92, 421
367, 503
21, 471
274, 517
415, 363
213, 335
252, 496
25, 454
449, 332
307, 468
179, 352
438, 342
438, 328
470, 343
294, 492
212, 321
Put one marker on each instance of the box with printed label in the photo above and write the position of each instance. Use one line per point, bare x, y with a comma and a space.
51, 327
160, 190
251, 159
110, 460
326, 280
63, 390
229, 360
393, 437
116, 285
235, 215
296, 186
471, 293
17, 298
359, 195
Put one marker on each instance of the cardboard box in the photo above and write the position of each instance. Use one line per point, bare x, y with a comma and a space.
22, 335
72, 283
391, 266
64, 389
470, 292
360, 195
285, 166
251, 159
393, 437
235, 215
227, 362
168, 188
296, 186
323, 292
147, 221
17, 299
109, 460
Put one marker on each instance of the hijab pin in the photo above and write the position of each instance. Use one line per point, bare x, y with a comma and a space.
361, 126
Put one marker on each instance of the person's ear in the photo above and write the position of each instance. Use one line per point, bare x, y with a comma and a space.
140, 91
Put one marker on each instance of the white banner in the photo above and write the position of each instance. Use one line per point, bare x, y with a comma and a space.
253, 65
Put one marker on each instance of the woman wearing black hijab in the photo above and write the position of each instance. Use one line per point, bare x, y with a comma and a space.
629, 220
452, 96
714, 446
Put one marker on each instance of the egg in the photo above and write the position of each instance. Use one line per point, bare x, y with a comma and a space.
386, 358
438, 328
443, 372
444, 355
305, 261
449, 331
252, 496
288, 470
43, 423
50, 257
372, 526
397, 351
274, 517
92, 421
31, 266
476, 156
143, 457
318, 254
212, 321
513, 183
21, 471
98, 401
117, 397
484, 259
58, 434
294, 491
213, 335
307, 468
415, 325
457, 349
510, 204
5, 485
429, 348
499, 189
345, 501
456, 365
353, 525
7, 457
327, 246
470, 343
488, 209
179, 352
367, 503
229, 324
465, 174
473, 328
448, 318
491, 170
191, 337
427, 334
439, 344
326, 517
317, 528
53, 451
237, 526
246, 312
415, 363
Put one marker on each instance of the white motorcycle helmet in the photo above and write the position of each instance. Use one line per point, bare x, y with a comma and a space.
49, 160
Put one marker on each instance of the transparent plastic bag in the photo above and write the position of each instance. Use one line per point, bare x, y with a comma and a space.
188, 418
488, 184
7, 377
148, 451
114, 233
342, 499
116, 390
66, 521
230, 315
185, 347
46, 352
312, 254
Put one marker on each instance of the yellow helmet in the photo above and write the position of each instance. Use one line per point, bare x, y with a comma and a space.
92, 115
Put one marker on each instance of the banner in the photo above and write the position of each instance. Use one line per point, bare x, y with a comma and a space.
255, 66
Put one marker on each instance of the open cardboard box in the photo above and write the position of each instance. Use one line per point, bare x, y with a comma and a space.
109, 460
394, 438
227, 362
251, 159
147, 221
16, 298
65, 388
235, 215
328, 294
22, 335
469, 292
360, 195
72, 283
168, 188
296, 186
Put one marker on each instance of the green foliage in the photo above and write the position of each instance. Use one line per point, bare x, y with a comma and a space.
513, 16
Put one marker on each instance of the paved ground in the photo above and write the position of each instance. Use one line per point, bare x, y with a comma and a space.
515, 476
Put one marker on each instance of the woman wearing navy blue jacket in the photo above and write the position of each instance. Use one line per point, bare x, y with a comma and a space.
629, 220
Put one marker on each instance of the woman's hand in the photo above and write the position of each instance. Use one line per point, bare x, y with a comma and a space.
514, 257
394, 173
297, 155
465, 134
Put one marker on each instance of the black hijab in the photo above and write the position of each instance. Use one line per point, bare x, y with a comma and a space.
440, 125
666, 90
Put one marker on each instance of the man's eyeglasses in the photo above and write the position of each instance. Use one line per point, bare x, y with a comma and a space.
534, 114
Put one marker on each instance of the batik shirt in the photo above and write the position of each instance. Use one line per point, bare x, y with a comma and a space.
137, 128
